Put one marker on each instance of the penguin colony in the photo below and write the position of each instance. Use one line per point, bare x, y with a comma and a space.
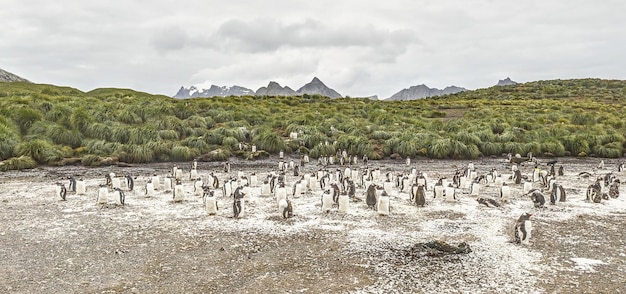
344, 184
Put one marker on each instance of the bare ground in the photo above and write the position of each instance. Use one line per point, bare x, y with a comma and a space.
154, 246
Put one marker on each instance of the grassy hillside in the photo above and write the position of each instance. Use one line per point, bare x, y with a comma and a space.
45, 124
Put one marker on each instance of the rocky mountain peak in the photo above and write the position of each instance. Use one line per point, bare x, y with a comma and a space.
506, 82
317, 87
6, 76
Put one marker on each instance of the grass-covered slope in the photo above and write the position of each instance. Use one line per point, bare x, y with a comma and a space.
59, 125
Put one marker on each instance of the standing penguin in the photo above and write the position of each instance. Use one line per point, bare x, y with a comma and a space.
167, 183
254, 180
383, 205
517, 177
130, 183
149, 188
327, 200
371, 198
557, 193
343, 202
505, 192
439, 189
197, 187
238, 203
418, 195
178, 193
522, 229
450, 193
614, 189
285, 208
72, 185
81, 188
61, 191
103, 195
156, 183
122, 196
528, 185
335, 191
210, 202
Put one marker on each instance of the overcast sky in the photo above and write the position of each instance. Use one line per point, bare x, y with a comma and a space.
359, 48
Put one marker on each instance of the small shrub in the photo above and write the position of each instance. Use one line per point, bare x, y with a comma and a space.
18, 163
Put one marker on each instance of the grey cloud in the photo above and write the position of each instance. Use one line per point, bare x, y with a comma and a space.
169, 39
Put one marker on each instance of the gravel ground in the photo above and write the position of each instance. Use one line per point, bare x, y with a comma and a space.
152, 245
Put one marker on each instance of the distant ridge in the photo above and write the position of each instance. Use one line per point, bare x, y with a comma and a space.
213, 91
275, 89
423, 91
315, 87
506, 82
6, 76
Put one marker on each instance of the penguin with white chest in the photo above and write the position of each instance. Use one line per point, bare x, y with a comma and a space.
179, 192
522, 229
210, 202
81, 188
285, 208
197, 187
149, 188
327, 201
238, 203
121, 196
383, 205
103, 195
344, 202
557, 194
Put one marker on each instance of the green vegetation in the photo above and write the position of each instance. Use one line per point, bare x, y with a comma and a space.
44, 124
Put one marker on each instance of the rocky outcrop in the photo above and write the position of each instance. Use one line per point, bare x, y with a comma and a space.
275, 89
506, 82
423, 91
316, 87
6, 76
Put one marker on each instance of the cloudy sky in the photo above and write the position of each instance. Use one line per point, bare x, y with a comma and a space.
359, 48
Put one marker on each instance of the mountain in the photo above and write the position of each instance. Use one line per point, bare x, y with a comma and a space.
194, 92
316, 87
423, 91
506, 82
6, 76
275, 89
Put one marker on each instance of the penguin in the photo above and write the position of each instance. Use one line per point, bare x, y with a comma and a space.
156, 183
122, 196
193, 174
343, 202
450, 193
61, 191
439, 189
408, 161
178, 193
227, 167
488, 202
149, 188
365, 160
238, 203
108, 178
167, 184
557, 193
351, 189
522, 229
265, 188
621, 167
210, 202
280, 192
383, 204
103, 194
601, 164
115, 182
130, 183
327, 200
335, 191
72, 184
561, 173
227, 188
528, 185
194, 164
517, 177
505, 192
371, 198
475, 189
614, 189
594, 192
538, 199
254, 180
387, 185
178, 175
285, 208
197, 187
81, 188
418, 195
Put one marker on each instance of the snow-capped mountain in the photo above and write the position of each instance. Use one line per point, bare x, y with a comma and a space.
423, 91
213, 91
